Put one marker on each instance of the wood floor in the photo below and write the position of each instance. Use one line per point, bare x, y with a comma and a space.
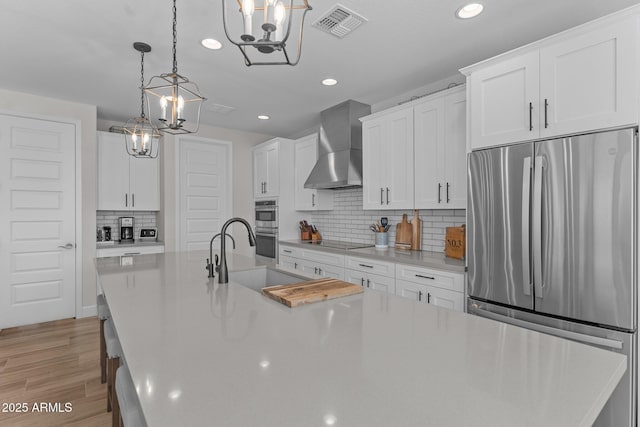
49, 363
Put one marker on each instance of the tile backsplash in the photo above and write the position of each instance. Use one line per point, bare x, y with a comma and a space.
142, 219
349, 222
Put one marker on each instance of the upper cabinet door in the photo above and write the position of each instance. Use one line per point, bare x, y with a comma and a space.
589, 81
113, 173
144, 180
374, 174
429, 145
266, 176
397, 155
504, 102
455, 151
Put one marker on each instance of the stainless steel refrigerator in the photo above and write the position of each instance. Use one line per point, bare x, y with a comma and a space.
551, 245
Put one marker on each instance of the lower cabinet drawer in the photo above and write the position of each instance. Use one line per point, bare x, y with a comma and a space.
130, 250
430, 277
370, 266
290, 251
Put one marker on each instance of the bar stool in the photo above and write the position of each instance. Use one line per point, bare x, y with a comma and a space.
114, 356
103, 315
127, 400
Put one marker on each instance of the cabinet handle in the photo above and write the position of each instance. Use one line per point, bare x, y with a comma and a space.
313, 199
265, 187
368, 283
286, 251
131, 253
133, 200
381, 195
365, 265
439, 191
448, 200
428, 298
320, 271
546, 105
387, 195
295, 265
362, 282
126, 200
530, 117
419, 295
425, 277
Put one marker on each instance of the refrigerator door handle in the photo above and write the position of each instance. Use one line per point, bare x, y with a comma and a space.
526, 224
536, 227
575, 336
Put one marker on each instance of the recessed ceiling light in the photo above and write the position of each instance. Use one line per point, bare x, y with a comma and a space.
263, 117
469, 11
212, 44
329, 82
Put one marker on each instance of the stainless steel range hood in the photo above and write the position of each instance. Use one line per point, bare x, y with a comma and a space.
340, 150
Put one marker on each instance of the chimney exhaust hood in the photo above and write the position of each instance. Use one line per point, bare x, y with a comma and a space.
339, 162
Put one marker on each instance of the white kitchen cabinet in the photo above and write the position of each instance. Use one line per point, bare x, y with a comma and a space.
371, 281
430, 295
582, 80
266, 176
305, 157
125, 182
387, 160
440, 151
311, 263
442, 288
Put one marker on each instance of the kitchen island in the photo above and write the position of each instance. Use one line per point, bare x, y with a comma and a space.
202, 353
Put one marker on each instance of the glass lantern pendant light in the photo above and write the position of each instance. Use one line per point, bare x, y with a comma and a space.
140, 135
177, 99
279, 16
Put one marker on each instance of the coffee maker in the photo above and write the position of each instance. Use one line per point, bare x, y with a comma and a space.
126, 229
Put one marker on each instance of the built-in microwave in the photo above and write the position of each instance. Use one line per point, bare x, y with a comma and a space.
266, 214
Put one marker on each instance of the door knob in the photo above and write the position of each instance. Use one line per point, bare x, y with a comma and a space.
67, 246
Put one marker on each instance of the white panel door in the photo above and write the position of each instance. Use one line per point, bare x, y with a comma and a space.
504, 102
204, 191
455, 151
306, 154
374, 175
37, 221
398, 155
429, 142
590, 81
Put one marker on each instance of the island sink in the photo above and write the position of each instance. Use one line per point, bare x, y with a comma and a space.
259, 278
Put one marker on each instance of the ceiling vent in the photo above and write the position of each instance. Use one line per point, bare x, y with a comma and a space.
218, 108
339, 21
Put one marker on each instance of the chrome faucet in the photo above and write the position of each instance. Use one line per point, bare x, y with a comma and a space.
211, 265
223, 273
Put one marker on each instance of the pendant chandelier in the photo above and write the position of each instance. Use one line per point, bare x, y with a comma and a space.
140, 135
273, 34
178, 101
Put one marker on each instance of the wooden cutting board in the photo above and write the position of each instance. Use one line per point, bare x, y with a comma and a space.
404, 233
416, 232
311, 291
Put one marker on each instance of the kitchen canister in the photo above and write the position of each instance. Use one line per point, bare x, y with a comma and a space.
382, 240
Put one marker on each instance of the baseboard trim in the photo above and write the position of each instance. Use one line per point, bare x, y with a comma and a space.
88, 311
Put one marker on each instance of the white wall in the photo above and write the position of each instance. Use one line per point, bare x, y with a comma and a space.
86, 114
242, 185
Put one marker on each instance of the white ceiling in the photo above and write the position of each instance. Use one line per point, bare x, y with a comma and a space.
81, 50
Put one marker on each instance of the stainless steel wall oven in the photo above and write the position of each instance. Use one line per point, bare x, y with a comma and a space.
267, 230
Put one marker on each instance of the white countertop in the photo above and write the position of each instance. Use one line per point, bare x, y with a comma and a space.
428, 259
202, 353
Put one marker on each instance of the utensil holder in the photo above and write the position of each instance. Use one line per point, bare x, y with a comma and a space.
382, 240
305, 235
